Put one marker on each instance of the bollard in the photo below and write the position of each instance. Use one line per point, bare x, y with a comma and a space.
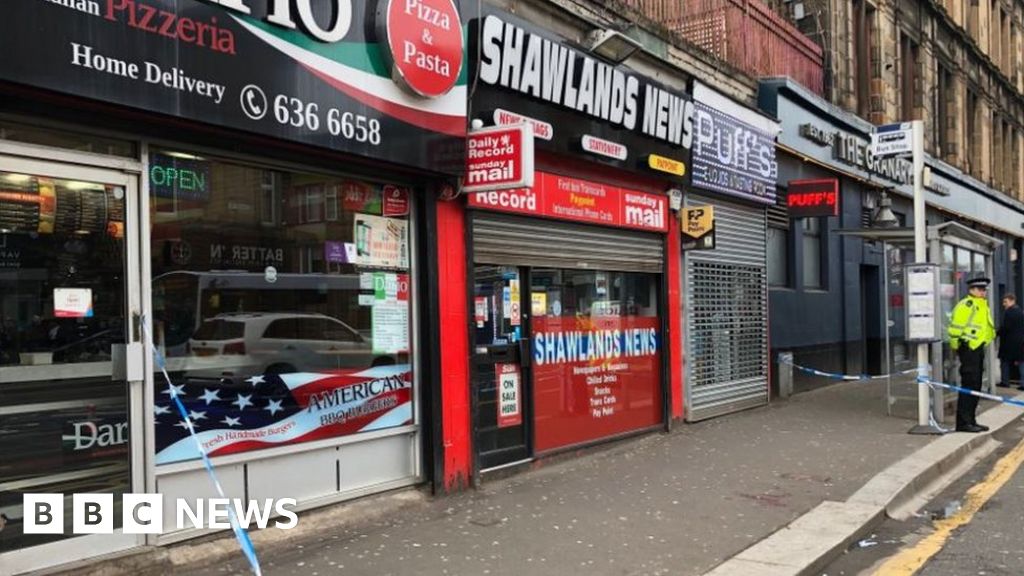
785, 374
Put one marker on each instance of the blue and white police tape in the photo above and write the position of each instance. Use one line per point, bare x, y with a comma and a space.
847, 377
994, 397
240, 534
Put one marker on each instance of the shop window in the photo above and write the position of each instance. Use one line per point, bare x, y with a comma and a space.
331, 203
314, 204
91, 143
596, 346
963, 270
778, 240
778, 257
242, 309
63, 409
268, 199
947, 283
812, 238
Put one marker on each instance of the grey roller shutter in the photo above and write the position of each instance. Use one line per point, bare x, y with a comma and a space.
522, 241
726, 312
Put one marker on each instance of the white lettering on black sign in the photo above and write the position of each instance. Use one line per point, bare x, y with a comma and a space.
544, 69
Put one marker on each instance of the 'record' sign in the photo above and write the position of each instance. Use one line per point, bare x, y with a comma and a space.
565, 198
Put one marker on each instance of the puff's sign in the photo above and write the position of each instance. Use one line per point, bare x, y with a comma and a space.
810, 198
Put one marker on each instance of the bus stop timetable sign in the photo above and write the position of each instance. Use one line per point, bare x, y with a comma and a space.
892, 140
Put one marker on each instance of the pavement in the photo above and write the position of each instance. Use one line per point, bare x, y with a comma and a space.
773, 491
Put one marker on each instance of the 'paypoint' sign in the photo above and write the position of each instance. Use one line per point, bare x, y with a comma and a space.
698, 227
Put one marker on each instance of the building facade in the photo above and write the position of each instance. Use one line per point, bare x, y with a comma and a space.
957, 66
854, 286
552, 270
214, 246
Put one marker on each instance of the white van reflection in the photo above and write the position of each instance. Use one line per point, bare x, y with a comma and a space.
241, 345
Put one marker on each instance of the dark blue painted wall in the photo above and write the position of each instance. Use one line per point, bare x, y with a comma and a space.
832, 319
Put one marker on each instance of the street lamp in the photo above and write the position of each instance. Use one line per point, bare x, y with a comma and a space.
883, 216
612, 45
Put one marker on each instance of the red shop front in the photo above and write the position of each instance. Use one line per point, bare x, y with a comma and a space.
567, 307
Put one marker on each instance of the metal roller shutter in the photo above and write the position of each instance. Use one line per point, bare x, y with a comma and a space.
726, 311
521, 241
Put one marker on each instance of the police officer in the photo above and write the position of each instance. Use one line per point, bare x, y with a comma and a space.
970, 330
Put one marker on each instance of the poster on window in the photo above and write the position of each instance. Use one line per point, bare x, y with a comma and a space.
594, 377
389, 315
508, 377
381, 242
390, 325
271, 410
72, 302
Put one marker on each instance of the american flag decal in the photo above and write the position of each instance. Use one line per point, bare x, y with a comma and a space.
278, 409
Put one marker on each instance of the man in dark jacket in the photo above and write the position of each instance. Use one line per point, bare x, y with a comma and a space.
1011, 342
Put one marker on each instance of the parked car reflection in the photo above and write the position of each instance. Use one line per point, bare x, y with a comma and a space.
233, 347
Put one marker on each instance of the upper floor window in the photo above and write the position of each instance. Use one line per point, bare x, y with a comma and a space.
909, 54
863, 19
944, 102
972, 145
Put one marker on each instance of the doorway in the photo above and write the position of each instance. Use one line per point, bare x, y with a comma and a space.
71, 356
872, 334
500, 366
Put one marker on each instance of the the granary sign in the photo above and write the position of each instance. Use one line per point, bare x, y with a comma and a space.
855, 151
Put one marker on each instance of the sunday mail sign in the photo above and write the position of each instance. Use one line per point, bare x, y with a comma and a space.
499, 158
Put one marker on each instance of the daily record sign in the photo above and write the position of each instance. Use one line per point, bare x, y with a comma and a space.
892, 140
499, 158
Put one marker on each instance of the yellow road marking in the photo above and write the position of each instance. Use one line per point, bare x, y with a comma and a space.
910, 560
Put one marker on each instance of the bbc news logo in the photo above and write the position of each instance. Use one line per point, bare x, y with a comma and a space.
144, 513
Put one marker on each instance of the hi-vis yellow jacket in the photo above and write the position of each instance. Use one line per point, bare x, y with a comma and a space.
971, 323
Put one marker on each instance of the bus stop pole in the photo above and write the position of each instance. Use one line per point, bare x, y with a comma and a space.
921, 257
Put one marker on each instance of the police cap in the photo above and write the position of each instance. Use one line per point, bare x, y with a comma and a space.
979, 282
